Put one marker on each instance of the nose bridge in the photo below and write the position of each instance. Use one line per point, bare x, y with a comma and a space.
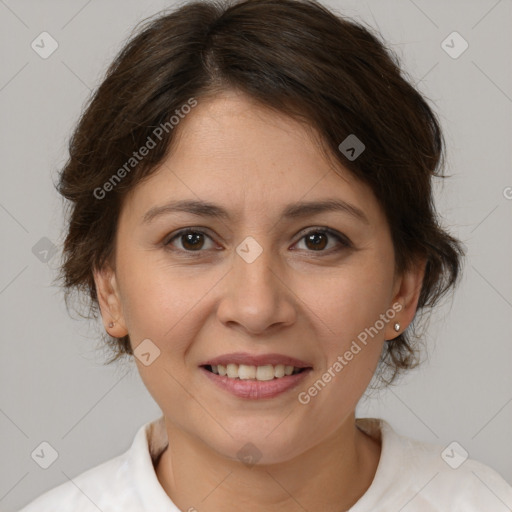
252, 268
253, 265
254, 295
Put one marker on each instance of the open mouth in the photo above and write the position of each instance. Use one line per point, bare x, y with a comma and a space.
249, 372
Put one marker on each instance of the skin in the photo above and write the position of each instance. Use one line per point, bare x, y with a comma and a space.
293, 299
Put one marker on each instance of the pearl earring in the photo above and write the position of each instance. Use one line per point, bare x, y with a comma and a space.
397, 327
111, 324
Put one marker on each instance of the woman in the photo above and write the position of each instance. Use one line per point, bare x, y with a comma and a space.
252, 213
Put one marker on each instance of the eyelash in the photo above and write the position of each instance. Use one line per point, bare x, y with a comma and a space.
341, 239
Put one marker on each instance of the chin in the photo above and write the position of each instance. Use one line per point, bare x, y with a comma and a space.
253, 444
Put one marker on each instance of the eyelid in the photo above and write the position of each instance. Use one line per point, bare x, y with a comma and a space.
176, 234
343, 239
340, 237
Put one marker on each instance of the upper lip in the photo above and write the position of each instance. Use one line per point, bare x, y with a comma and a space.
256, 360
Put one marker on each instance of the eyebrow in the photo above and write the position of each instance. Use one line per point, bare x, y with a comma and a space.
291, 211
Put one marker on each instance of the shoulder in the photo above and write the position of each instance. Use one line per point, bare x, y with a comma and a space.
109, 486
422, 476
450, 477
92, 490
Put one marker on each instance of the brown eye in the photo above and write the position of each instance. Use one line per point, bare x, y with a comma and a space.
317, 240
190, 240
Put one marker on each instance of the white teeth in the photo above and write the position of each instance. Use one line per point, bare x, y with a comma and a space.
265, 372
232, 370
248, 372
279, 370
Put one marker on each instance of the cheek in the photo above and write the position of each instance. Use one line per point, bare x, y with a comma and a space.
352, 300
162, 302
349, 309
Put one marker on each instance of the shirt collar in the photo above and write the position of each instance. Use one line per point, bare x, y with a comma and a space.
149, 443
151, 440
391, 474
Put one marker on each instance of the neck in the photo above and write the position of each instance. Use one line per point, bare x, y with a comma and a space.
330, 477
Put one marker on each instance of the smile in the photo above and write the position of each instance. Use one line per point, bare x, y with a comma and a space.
253, 388
249, 372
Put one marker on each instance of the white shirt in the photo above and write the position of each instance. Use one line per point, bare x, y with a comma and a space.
411, 476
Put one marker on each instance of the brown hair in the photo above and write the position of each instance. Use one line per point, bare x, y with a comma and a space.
294, 56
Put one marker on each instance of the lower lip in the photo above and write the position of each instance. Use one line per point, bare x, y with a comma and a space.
256, 389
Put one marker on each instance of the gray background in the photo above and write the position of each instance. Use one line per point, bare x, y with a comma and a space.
53, 386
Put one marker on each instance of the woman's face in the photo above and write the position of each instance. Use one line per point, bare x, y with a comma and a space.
251, 281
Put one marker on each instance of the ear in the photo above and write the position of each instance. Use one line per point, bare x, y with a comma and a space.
109, 300
406, 292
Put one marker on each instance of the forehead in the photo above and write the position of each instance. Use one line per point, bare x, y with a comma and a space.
232, 151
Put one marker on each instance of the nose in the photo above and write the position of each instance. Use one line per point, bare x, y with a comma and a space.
256, 296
